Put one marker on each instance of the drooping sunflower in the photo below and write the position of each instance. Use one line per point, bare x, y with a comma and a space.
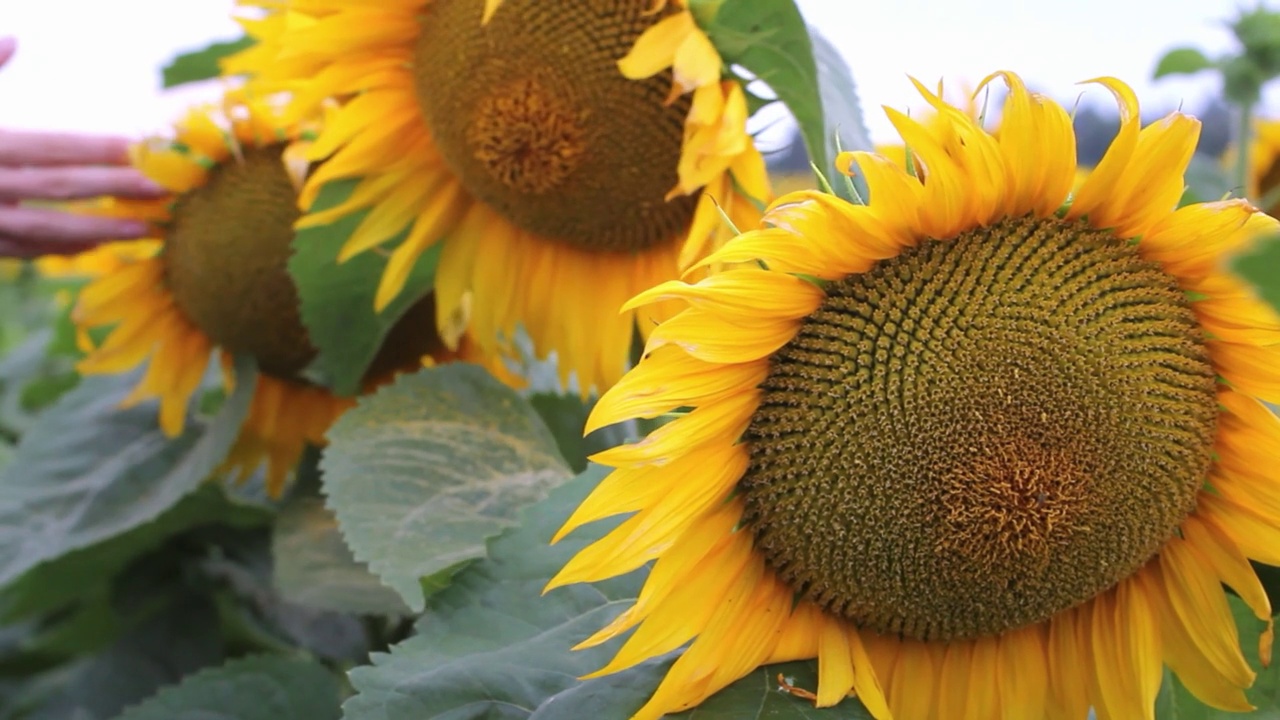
214, 278
569, 155
980, 453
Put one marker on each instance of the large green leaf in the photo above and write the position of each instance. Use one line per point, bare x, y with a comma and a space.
337, 300
423, 471
490, 647
89, 470
201, 64
769, 39
314, 567
254, 688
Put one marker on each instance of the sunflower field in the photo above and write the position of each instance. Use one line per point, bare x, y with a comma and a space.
480, 364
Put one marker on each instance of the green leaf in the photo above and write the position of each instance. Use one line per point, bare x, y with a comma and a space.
1182, 61
201, 64
565, 416
88, 470
423, 471
490, 647
66, 579
179, 638
314, 567
1261, 266
842, 113
254, 688
18, 367
337, 300
769, 39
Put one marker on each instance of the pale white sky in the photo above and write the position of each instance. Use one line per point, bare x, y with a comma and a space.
94, 65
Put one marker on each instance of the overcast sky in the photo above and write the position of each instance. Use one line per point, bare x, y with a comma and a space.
94, 65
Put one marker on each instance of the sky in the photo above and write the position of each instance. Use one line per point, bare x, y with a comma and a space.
80, 66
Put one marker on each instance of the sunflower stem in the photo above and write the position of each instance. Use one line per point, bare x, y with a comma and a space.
1243, 141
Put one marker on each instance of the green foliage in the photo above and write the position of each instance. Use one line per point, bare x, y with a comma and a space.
67, 578
176, 636
1182, 61
423, 471
254, 688
1259, 34
565, 416
770, 40
88, 470
489, 646
201, 64
315, 568
337, 300
1261, 267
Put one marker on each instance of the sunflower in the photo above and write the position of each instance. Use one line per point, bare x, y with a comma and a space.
1264, 165
95, 262
214, 278
578, 159
979, 452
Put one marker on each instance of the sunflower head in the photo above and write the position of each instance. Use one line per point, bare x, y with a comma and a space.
588, 146
227, 246
964, 432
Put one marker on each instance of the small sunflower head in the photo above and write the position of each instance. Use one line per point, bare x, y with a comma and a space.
227, 247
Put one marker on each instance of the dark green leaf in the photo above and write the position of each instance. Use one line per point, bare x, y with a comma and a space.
88, 470
255, 688
490, 647
67, 578
1261, 266
565, 416
337, 300
179, 639
201, 64
422, 472
769, 39
1182, 61
314, 566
